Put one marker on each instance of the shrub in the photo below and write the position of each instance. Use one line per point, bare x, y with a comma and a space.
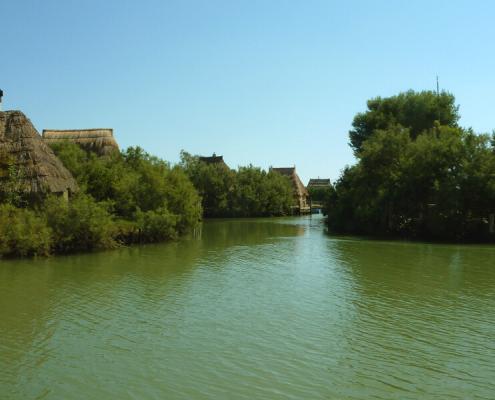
22, 233
156, 225
81, 224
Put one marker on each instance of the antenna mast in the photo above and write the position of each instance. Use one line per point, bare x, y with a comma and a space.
438, 88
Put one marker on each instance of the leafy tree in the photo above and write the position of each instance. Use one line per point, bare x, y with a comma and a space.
416, 111
247, 192
439, 186
319, 194
214, 183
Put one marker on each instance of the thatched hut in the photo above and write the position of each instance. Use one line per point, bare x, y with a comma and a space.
214, 159
301, 195
319, 183
100, 141
22, 148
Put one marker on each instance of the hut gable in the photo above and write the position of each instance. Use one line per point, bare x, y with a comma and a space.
21, 146
301, 194
100, 141
319, 183
214, 159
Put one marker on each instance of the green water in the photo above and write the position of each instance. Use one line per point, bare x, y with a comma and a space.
252, 309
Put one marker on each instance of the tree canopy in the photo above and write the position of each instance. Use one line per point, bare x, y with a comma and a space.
426, 178
417, 111
247, 192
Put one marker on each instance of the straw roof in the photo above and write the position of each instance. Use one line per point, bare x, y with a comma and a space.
319, 183
214, 159
21, 145
100, 141
299, 187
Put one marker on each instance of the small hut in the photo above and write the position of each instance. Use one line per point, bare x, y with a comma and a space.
100, 141
319, 183
301, 195
214, 159
21, 147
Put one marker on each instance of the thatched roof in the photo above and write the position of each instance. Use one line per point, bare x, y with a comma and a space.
22, 146
319, 183
100, 141
214, 159
299, 187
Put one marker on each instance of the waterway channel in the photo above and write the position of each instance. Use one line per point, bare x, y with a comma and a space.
252, 309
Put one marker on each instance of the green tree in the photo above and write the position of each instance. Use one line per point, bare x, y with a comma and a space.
438, 186
416, 111
214, 183
247, 192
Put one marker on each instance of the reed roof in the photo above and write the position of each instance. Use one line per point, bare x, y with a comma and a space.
297, 184
214, 159
318, 183
100, 140
22, 146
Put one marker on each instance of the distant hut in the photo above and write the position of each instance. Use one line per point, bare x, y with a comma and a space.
214, 159
318, 184
319, 190
100, 141
301, 195
22, 147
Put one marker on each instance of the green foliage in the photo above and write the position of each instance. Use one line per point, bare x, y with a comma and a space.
134, 181
182, 200
416, 111
214, 183
440, 185
11, 182
319, 194
135, 197
23, 233
81, 224
156, 225
247, 192
124, 197
258, 193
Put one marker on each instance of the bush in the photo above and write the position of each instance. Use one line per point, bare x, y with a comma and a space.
81, 224
156, 225
22, 233
182, 200
134, 180
247, 192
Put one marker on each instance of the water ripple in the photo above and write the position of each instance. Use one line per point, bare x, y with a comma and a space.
271, 309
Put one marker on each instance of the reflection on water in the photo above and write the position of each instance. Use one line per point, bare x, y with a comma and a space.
265, 309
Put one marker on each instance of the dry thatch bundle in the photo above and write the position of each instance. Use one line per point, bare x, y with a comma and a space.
100, 141
22, 148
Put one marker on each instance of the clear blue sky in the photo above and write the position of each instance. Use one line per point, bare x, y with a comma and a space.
262, 82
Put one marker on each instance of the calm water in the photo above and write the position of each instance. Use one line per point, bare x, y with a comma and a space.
253, 309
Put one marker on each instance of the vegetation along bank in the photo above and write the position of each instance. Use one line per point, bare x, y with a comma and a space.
418, 173
76, 191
